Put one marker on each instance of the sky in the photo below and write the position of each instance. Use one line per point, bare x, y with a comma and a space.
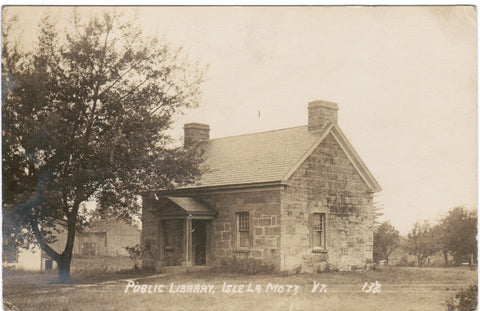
405, 80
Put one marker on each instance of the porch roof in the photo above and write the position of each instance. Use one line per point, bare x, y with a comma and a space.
186, 206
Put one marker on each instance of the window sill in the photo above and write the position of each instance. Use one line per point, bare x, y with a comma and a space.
319, 250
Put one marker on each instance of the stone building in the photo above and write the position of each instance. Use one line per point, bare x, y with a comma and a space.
293, 197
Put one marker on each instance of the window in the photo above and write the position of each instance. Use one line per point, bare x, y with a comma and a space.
319, 230
89, 245
10, 255
89, 248
243, 228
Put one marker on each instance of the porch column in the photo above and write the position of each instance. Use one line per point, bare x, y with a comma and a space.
187, 238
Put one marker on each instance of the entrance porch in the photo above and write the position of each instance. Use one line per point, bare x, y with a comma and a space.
185, 233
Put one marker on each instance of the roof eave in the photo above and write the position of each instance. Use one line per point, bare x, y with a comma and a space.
355, 159
244, 186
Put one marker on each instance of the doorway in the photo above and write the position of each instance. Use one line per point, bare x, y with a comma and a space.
199, 241
48, 265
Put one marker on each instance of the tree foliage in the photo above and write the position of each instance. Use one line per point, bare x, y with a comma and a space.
458, 234
455, 235
422, 242
385, 240
84, 117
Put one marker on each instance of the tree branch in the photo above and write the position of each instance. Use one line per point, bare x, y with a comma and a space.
134, 89
117, 80
44, 246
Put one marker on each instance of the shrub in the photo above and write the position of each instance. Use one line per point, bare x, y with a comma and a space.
243, 266
464, 300
135, 254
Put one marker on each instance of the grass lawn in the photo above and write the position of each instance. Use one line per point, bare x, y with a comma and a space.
400, 289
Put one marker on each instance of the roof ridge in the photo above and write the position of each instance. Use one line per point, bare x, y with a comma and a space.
282, 129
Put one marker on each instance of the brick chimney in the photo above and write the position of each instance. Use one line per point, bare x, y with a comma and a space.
195, 134
320, 113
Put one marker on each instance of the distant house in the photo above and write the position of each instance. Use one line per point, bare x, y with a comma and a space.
296, 198
106, 238
99, 247
24, 259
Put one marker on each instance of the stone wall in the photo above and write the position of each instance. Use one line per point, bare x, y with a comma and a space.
264, 218
264, 230
162, 239
172, 231
151, 233
326, 183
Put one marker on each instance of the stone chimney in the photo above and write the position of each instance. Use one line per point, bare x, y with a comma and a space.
320, 113
195, 134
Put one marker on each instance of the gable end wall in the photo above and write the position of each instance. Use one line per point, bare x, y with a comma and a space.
326, 183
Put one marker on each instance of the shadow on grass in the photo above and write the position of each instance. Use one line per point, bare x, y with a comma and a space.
15, 278
93, 277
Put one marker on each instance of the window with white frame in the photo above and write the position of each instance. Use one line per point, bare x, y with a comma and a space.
319, 230
243, 230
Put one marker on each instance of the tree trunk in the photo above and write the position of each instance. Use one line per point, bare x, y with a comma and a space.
64, 259
66, 256
64, 269
445, 256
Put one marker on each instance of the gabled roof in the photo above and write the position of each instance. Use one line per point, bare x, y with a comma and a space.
271, 156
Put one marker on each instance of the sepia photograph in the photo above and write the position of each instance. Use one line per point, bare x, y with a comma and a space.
239, 157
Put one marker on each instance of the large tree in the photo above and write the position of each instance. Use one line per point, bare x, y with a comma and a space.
84, 117
458, 235
385, 240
